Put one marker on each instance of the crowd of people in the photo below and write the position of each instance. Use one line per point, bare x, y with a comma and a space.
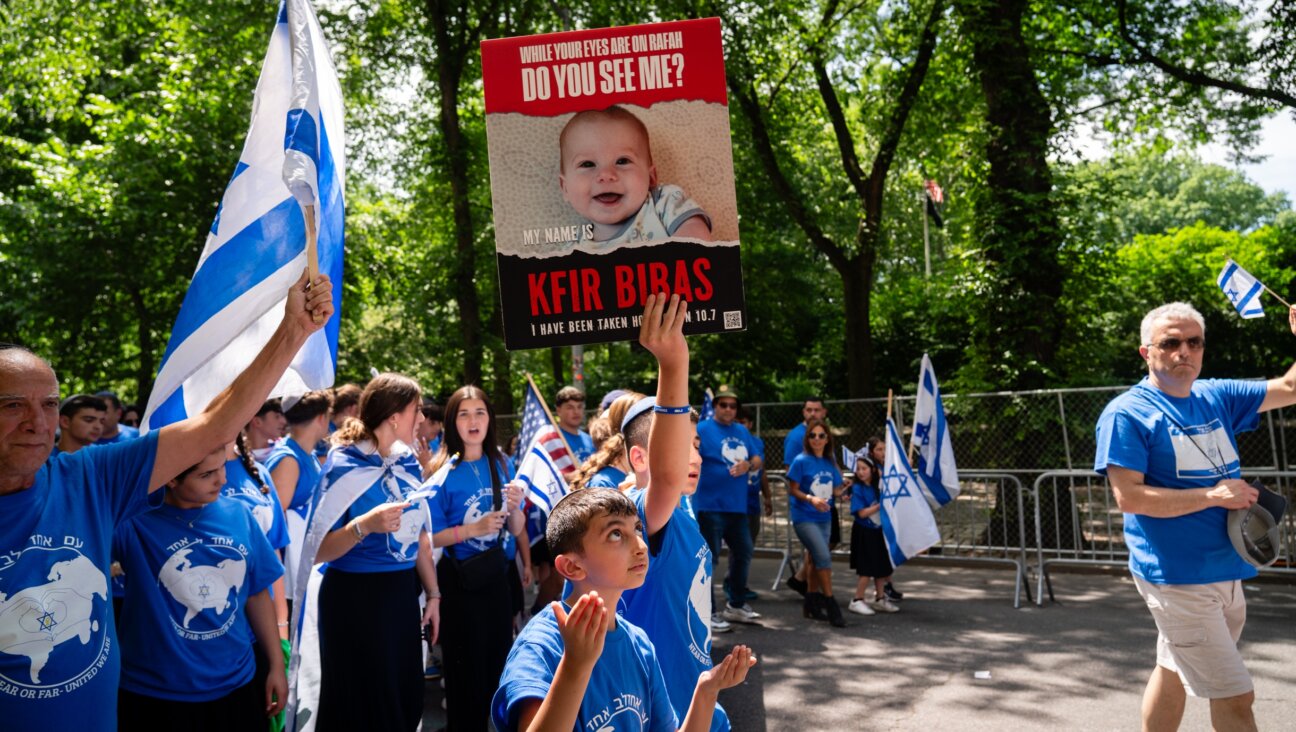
171, 575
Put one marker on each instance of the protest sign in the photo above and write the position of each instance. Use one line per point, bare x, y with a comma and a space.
611, 178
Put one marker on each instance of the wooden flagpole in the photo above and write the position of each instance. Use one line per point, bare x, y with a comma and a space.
552, 421
312, 251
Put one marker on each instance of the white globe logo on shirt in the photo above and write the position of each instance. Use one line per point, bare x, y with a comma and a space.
407, 535
201, 587
822, 486
733, 450
699, 623
264, 516
39, 620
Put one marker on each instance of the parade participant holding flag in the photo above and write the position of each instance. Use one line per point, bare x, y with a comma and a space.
478, 514
375, 537
814, 482
1169, 450
79, 498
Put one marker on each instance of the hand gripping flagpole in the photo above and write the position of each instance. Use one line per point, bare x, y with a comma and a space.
312, 253
561, 435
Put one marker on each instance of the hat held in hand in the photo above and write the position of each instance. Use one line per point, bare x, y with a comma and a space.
1254, 530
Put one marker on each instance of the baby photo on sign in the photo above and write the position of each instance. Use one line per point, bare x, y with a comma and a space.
611, 177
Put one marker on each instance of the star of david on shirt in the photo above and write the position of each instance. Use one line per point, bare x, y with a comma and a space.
888, 479
47, 621
204, 590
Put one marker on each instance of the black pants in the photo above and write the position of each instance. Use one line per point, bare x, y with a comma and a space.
476, 634
241, 709
371, 670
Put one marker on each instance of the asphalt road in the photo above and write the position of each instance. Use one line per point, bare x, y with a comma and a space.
1079, 663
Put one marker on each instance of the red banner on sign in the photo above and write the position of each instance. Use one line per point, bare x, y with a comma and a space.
574, 71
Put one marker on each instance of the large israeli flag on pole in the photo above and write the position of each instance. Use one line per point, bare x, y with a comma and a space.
936, 472
907, 521
1242, 290
292, 164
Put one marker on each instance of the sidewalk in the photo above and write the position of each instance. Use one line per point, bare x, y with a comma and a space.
1078, 664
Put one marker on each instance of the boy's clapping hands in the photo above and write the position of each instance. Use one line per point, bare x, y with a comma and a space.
729, 672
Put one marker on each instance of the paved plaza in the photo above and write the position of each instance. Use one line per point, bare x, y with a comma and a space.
1076, 664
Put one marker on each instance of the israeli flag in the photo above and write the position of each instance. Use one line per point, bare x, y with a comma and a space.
937, 473
907, 521
1242, 289
293, 163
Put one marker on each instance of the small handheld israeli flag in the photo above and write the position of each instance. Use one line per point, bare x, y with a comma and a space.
847, 458
292, 163
708, 406
936, 470
907, 521
1242, 289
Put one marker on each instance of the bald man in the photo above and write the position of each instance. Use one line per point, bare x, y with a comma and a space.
60, 665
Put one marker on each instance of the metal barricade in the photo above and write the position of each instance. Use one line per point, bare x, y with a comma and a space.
974, 527
775, 537
1077, 522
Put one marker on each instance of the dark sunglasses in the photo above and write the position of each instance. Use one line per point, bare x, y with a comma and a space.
1196, 343
819, 436
726, 405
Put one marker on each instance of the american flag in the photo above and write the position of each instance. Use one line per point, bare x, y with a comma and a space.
545, 457
935, 202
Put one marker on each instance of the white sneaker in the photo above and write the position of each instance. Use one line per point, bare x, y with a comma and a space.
859, 607
719, 624
884, 606
742, 614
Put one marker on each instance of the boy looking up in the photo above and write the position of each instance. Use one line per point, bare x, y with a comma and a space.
583, 668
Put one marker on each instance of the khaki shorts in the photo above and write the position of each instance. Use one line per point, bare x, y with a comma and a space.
1199, 627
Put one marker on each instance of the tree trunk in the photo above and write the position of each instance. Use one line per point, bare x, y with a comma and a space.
449, 68
1019, 326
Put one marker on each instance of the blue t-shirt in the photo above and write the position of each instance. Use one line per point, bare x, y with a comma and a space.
864, 495
465, 497
626, 691
1134, 432
580, 443
385, 552
59, 664
723, 446
124, 433
309, 472
754, 481
184, 630
609, 477
673, 606
816, 476
793, 444
265, 507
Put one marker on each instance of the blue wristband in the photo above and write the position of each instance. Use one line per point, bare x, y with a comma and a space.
672, 410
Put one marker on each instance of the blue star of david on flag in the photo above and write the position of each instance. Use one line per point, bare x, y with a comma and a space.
1242, 290
935, 470
890, 490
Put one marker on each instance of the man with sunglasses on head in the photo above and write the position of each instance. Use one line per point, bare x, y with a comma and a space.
1169, 451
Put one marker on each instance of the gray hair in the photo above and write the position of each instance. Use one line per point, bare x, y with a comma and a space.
1169, 311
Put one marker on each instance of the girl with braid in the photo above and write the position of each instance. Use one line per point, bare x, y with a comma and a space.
249, 483
607, 467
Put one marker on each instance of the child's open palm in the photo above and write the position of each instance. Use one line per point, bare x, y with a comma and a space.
729, 672
583, 629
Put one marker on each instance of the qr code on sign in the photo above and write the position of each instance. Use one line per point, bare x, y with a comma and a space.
733, 320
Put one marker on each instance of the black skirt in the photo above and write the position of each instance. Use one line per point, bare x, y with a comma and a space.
869, 557
476, 635
371, 658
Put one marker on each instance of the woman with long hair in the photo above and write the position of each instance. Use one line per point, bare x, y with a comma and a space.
379, 558
813, 482
478, 513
